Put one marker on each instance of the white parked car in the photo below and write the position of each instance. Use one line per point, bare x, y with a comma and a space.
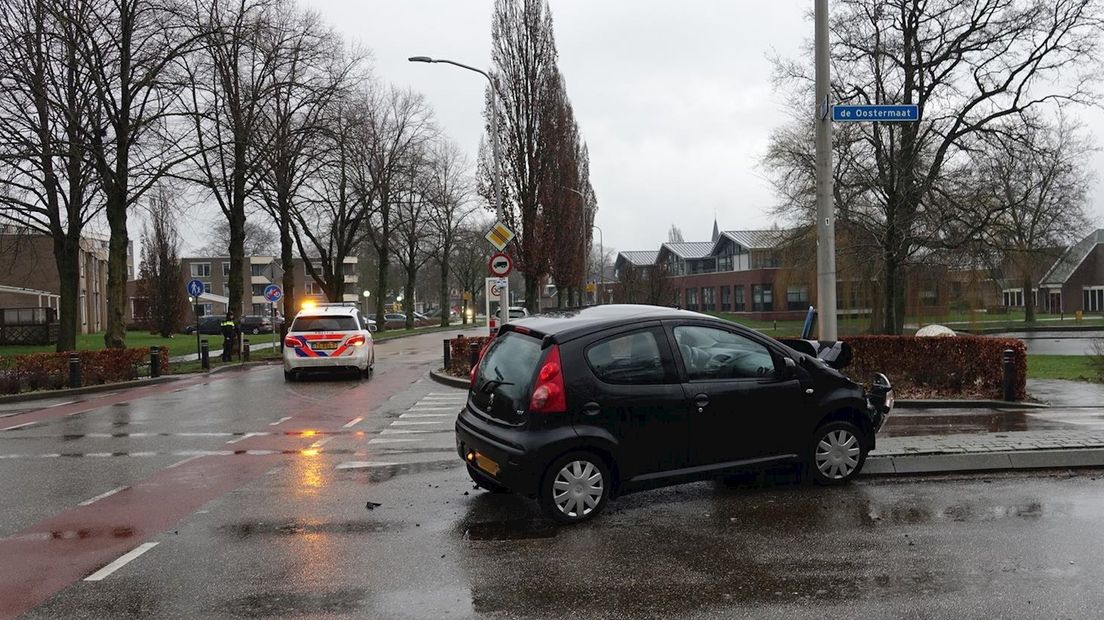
329, 337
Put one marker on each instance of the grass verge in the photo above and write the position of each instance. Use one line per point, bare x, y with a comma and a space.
1068, 367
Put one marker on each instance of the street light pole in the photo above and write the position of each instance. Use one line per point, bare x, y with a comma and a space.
826, 227
503, 309
601, 264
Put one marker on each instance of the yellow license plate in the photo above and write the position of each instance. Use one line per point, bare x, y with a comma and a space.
323, 346
486, 464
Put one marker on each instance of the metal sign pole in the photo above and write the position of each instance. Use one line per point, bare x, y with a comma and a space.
826, 226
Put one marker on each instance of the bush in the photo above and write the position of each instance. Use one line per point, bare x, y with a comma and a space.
39, 371
957, 367
460, 351
1096, 358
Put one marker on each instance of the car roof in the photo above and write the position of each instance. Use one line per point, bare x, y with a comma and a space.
327, 311
567, 324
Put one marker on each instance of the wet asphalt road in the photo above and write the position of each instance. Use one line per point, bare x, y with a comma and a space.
275, 523
1057, 343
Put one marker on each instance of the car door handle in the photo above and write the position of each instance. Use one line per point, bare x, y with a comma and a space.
701, 401
592, 408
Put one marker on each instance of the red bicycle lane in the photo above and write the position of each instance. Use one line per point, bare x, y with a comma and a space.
43, 559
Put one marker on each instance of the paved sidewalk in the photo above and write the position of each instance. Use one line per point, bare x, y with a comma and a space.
215, 352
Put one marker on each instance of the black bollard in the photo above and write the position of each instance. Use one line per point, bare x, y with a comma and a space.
204, 355
155, 362
245, 350
1007, 359
74, 370
473, 355
448, 352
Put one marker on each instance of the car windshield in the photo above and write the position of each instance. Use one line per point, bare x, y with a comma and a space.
324, 324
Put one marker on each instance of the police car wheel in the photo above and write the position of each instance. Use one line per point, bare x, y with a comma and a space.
289, 375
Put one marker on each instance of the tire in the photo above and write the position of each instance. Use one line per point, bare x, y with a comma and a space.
836, 454
569, 481
484, 481
289, 375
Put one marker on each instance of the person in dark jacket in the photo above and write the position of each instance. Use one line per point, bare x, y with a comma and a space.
229, 332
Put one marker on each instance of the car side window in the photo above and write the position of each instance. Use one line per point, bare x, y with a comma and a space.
628, 358
711, 353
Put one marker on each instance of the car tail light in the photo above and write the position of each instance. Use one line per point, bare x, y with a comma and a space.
549, 396
355, 341
292, 342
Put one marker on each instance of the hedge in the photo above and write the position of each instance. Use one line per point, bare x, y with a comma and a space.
39, 371
953, 367
460, 351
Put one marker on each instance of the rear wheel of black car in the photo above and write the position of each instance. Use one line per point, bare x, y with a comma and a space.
484, 481
837, 453
575, 488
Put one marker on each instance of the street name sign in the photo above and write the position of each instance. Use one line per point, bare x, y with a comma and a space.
875, 113
195, 288
273, 293
500, 236
500, 265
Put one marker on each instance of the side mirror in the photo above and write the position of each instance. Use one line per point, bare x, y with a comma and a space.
789, 368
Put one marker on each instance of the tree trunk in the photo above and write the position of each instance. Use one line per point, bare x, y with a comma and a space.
115, 209
408, 295
287, 264
532, 294
445, 305
67, 256
237, 235
1029, 299
383, 251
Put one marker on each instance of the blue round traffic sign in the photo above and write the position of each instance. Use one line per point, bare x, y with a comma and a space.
273, 293
195, 287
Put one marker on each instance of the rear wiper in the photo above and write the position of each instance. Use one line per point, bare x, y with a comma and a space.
492, 384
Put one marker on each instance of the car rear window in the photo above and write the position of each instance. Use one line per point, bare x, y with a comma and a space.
506, 372
324, 324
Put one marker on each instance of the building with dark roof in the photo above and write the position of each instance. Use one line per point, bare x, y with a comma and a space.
1076, 280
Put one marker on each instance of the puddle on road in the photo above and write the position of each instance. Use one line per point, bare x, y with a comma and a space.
297, 528
514, 529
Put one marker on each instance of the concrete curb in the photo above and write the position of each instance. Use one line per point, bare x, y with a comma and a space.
448, 380
966, 404
903, 465
91, 389
985, 331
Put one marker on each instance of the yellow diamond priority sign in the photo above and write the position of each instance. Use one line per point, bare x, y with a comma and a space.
500, 236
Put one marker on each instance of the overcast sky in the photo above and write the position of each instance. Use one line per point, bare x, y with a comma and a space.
673, 98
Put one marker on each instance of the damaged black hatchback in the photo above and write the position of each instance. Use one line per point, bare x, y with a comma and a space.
574, 408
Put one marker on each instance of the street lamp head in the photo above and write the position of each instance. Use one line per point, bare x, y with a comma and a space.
367, 294
420, 59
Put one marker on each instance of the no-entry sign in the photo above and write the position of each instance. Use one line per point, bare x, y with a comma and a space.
500, 265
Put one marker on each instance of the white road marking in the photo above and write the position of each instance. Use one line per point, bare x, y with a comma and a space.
401, 431
392, 440
92, 500
443, 399
122, 561
283, 419
190, 458
353, 422
454, 393
362, 464
245, 436
418, 422
426, 415
12, 428
68, 402
433, 409
321, 442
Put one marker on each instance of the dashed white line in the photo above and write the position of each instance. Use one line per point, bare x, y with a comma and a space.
92, 500
68, 402
426, 415
12, 428
245, 436
353, 422
187, 460
433, 409
417, 422
122, 561
321, 442
280, 421
402, 431
362, 464
392, 440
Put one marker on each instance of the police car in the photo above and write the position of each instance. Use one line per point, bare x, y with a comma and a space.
329, 336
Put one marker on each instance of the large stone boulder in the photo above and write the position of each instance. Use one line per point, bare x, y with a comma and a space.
929, 331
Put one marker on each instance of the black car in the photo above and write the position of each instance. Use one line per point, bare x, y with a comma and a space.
576, 407
255, 324
207, 325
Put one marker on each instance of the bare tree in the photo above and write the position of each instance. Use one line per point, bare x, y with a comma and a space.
968, 66
161, 277
1037, 176
258, 239
470, 260
130, 50
46, 175
674, 234
449, 207
230, 82
399, 124
414, 245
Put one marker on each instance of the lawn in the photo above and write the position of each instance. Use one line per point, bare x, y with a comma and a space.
1070, 367
178, 345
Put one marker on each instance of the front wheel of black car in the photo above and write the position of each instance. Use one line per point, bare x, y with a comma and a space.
837, 454
484, 481
575, 488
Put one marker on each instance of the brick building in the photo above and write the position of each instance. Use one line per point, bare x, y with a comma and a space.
1076, 280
